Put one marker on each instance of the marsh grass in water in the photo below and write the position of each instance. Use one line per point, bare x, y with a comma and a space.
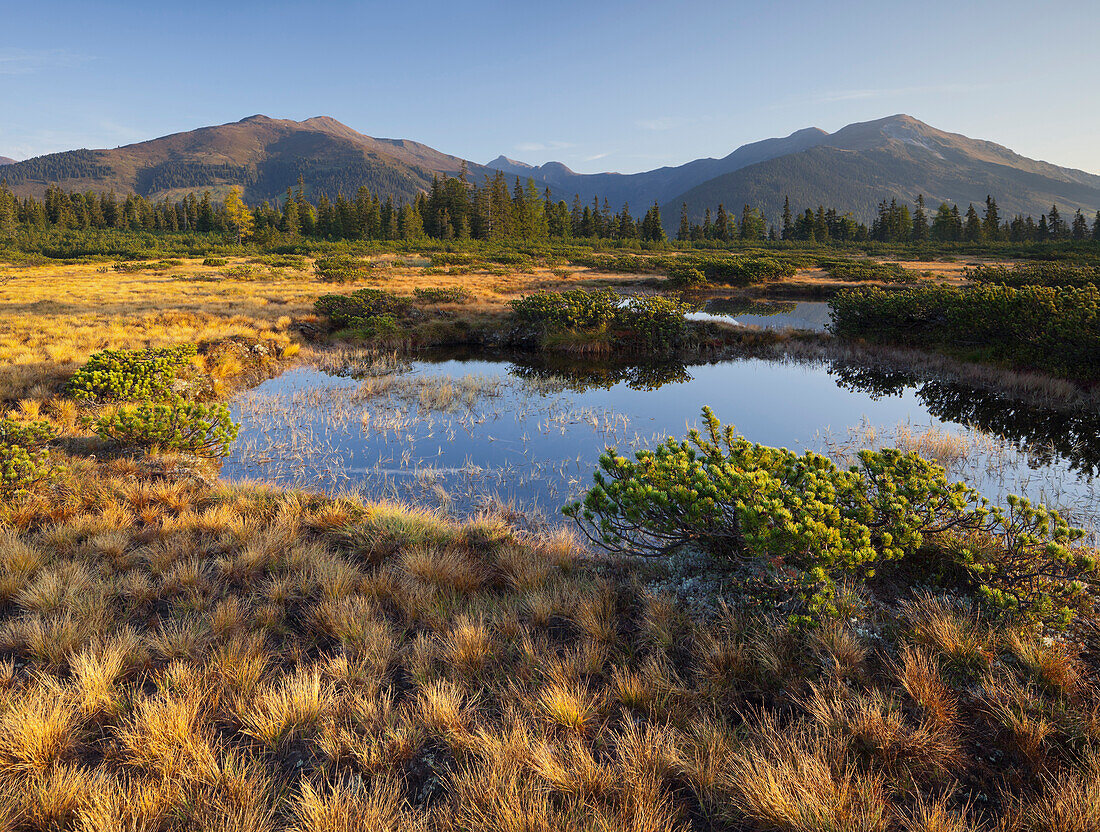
458, 432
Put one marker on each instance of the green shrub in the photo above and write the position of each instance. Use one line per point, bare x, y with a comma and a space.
451, 258
684, 276
24, 458
511, 258
130, 375
806, 523
734, 271
1027, 568
30, 435
658, 320
215, 261
345, 310
866, 270
179, 425
1036, 274
341, 268
653, 320
1051, 329
21, 469
375, 326
572, 309
453, 294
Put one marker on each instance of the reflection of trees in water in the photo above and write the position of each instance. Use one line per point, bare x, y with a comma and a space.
1047, 433
747, 306
876, 382
579, 376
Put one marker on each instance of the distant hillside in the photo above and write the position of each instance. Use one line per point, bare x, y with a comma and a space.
851, 170
640, 190
897, 157
4, 160
262, 155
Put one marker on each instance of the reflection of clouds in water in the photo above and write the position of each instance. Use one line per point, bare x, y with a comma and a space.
457, 433
765, 314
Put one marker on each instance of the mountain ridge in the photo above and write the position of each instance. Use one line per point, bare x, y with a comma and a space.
852, 169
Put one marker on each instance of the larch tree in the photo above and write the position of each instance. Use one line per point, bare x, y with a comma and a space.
238, 216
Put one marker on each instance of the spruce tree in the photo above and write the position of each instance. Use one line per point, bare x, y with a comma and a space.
991, 225
973, 231
788, 228
722, 224
1080, 228
1096, 227
1058, 228
920, 222
684, 234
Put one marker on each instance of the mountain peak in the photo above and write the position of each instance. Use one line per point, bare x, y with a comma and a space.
503, 162
325, 121
6, 160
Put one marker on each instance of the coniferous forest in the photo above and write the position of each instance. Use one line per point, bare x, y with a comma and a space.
496, 209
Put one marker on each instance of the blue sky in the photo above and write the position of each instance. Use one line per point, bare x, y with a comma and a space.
599, 85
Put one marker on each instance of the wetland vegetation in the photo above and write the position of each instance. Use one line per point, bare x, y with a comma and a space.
281, 543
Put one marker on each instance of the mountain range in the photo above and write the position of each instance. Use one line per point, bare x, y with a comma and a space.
853, 169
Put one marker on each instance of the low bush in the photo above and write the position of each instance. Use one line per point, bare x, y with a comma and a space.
803, 523
24, 458
733, 271
341, 268
866, 270
628, 263
130, 375
346, 310
1052, 329
1036, 274
178, 425
452, 294
653, 320
215, 261
31, 435
572, 309
376, 326
684, 276
657, 320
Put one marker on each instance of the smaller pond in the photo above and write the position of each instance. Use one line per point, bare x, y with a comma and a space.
810, 315
455, 432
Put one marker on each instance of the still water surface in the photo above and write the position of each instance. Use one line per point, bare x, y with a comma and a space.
766, 314
453, 432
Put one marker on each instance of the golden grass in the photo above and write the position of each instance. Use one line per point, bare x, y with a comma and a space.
176, 655
236, 660
53, 317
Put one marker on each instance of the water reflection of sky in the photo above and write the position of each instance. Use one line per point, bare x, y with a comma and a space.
811, 315
536, 441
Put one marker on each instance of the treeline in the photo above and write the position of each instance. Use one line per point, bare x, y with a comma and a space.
453, 208
895, 223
